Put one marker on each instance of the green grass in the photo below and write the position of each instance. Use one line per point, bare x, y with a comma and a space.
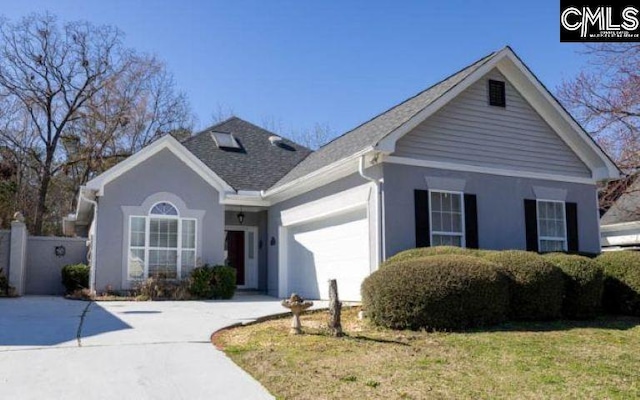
565, 359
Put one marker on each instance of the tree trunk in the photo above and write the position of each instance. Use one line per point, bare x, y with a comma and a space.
41, 207
335, 326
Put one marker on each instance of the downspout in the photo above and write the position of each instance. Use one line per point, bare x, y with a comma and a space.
380, 215
92, 269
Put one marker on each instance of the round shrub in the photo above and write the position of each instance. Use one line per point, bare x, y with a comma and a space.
536, 286
583, 285
446, 292
217, 282
201, 282
421, 252
75, 277
621, 282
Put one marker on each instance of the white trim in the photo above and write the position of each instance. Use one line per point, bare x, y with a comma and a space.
552, 238
166, 142
620, 226
283, 262
486, 170
339, 203
248, 275
463, 234
577, 139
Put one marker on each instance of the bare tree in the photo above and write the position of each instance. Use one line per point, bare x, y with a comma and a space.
81, 100
221, 112
605, 98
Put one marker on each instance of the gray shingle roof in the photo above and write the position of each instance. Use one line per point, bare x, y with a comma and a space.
374, 130
626, 208
257, 166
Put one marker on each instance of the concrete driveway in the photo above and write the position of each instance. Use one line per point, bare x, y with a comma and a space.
51, 348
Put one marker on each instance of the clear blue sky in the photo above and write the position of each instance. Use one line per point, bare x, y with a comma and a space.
335, 62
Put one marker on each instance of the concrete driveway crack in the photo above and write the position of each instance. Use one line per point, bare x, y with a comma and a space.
82, 317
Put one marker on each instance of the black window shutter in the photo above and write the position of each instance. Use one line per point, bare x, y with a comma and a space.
422, 218
571, 210
531, 224
471, 221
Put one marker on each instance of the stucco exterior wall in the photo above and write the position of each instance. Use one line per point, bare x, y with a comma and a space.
501, 222
149, 181
274, 218
43, 267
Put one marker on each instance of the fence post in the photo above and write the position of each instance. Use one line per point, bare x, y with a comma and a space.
18, 255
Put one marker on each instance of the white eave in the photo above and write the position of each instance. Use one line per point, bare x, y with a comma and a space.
507, 62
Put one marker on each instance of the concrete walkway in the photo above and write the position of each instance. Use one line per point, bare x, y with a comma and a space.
51, 348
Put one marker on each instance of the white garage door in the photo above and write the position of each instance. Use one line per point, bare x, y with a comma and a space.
336, 247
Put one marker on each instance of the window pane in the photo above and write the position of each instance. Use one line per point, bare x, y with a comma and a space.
188, 262
251, 243
552, 245
435, 201
436, 221
446, 240
189, 234
456, 220
163, 263
136, 263
446, 222
137, 231
164, 209
163, 233
456, 203
446, 201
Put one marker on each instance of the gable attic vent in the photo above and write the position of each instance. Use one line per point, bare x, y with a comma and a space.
225, 140
275, 140
497, 96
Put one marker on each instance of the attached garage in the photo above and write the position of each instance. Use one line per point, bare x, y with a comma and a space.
328, 240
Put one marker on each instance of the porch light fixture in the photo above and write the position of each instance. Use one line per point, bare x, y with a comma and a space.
240, 217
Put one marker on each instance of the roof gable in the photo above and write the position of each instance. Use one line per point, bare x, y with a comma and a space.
167, 142
382, 132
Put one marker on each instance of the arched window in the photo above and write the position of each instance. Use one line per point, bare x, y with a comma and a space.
164, 208
161, 244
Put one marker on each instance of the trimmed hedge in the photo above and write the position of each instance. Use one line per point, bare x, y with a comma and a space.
583, 285
621, 282
436, 293
536, 285
421, 252
217, 282
75, 277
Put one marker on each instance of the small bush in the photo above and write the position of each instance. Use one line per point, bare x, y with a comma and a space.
217, 282
583, 285
74, 277
421, 252
225, 282
201, 282
622, 282
437, 292
4, 284
536, 285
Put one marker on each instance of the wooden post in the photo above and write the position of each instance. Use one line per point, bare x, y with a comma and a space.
335, 326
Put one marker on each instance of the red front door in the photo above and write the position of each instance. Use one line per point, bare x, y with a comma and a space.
235, 253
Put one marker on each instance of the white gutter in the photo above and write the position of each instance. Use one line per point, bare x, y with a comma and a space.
381, 240
92, 266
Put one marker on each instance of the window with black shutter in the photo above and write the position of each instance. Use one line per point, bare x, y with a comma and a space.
497, 93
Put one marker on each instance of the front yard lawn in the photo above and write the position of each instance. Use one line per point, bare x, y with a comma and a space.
563, 359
